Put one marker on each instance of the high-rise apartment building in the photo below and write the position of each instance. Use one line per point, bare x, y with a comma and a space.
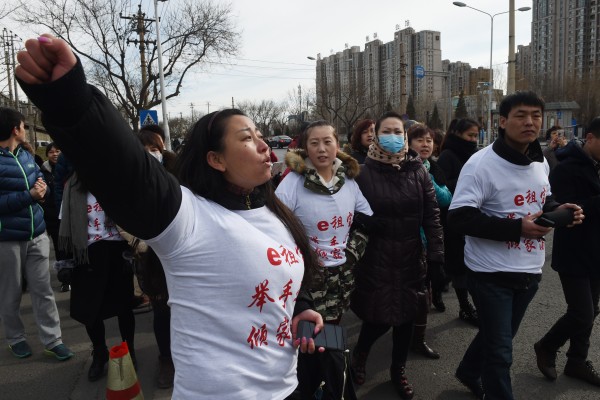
383, 74
463, 78
565, 44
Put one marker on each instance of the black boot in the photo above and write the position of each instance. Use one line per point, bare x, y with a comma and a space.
166, 372
468, 313
437, 301
418, 344
359, 366
400, 381
99, 360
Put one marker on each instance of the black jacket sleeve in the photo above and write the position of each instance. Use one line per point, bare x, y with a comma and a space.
472, 222
132, 187
304, 301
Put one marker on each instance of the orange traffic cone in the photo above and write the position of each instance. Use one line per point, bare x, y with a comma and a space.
122, 382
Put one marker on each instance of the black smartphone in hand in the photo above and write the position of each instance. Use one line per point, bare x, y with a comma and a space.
543, 221
331, 337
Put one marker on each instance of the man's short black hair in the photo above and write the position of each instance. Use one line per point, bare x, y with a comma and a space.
9, 119
525, 98
520, 98
594, 127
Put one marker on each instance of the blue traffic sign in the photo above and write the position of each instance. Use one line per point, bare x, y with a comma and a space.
419, 71
148, 117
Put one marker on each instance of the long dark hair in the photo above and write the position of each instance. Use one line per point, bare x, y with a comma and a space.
196, 174
457, 127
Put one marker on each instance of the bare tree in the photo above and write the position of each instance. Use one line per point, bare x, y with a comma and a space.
264, 113
585, 92
343, 109
99, 31
7, 9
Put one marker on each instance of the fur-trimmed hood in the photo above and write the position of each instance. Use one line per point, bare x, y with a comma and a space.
295, 160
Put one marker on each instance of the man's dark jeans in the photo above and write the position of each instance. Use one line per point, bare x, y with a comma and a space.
489, 355
581, 295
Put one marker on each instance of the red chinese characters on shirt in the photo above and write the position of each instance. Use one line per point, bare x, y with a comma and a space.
513, 245
529, 245
349, 218
333, 241
264, 295
543, 196
261, 296
337, 222
277, 257
95, 207
287, 292
258, 337
283, 332
530, 197
336, 253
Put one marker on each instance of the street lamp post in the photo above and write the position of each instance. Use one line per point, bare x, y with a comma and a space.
161, 76
491, 86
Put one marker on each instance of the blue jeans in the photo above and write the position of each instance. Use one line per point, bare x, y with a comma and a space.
489, 356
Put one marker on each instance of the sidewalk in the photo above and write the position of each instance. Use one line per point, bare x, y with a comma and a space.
39, 377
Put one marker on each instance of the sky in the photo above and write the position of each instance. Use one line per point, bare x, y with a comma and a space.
277, 36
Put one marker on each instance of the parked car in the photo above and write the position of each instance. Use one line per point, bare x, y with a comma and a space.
279, 141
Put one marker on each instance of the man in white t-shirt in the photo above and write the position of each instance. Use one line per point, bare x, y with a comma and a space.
501, 190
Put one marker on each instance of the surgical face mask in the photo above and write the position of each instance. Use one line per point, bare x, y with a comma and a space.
158, 155
392, 143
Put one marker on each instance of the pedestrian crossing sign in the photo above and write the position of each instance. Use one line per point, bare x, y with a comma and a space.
148, 117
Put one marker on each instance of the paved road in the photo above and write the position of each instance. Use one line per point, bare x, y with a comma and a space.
39, 377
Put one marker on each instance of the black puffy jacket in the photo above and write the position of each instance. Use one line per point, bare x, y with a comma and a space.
393, 268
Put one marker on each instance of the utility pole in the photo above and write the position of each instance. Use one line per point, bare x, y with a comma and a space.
5, 37
232, 105
510, 87
14, 65
208, 107
301, 116
192, 107
161, 77
139, 21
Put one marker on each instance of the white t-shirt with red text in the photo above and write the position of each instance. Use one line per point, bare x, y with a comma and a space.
326, 218
502, 189
99, 227
233, 278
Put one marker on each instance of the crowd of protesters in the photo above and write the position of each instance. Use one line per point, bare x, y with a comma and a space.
232, 261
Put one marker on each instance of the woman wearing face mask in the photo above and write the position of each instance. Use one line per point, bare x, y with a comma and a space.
392, 271
153, 143
459, 144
